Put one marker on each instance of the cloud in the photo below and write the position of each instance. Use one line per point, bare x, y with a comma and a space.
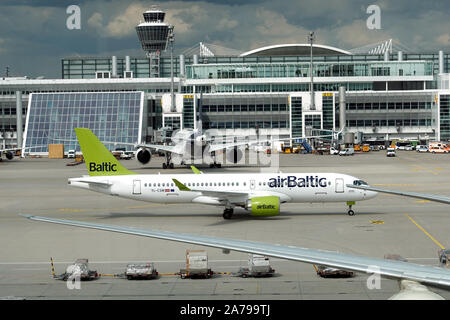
357, 34
35, 31
96, 21
443, 39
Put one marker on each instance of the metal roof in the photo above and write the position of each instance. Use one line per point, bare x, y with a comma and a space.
295, 49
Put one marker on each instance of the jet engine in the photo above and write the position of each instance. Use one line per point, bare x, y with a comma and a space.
263, 206
143, 155
9, 155
234, 155
201, 139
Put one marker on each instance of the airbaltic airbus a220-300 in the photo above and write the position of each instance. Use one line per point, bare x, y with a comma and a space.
261, 193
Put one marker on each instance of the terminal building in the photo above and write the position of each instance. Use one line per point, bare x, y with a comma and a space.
390, 93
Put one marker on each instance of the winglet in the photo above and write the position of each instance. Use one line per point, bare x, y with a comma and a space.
195, 170
180, 186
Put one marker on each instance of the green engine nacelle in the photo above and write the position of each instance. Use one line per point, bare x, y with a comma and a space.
264, 206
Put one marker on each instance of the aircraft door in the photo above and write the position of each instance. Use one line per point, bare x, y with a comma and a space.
136, 186
339, 185
252, 184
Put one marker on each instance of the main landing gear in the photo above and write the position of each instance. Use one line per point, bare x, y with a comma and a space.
168, 164
215, 165
350, 211
227, 213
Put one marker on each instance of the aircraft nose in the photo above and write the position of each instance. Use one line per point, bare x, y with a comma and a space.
371, 194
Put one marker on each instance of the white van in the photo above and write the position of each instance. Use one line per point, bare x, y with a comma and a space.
71, 154
347, 152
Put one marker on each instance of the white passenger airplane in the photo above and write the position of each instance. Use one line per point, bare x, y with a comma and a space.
259, 193
194, 144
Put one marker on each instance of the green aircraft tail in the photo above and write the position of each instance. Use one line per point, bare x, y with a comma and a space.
99, 160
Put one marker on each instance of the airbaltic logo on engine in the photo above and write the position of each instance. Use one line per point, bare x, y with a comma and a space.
293, 181
265, 207
102, 167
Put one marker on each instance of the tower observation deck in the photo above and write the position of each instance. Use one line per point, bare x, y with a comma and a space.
153, 32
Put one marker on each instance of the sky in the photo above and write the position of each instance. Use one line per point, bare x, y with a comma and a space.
34, 36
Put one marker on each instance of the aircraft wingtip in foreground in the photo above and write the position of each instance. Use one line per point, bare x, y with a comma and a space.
259, 193
412, 273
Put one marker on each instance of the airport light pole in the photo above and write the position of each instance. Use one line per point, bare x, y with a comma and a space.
171, 40
311, 40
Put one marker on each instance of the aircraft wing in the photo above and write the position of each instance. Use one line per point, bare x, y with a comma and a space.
171, 149
212, 193
388, 268
425, 196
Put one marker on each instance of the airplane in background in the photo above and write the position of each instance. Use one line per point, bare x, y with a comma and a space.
9, 153
260, 193
194, 144
411, 275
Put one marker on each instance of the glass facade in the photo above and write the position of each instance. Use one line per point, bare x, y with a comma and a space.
445, 117
112, 116
296, 116
296, 70
85, 67
188, 112
327, 111
172, 122
245, 112
313, 121
407, 112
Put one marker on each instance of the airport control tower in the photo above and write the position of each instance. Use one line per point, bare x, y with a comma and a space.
154, 35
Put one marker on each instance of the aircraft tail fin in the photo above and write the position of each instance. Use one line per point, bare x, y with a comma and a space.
99, 160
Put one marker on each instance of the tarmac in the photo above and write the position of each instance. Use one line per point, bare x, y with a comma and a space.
387, 224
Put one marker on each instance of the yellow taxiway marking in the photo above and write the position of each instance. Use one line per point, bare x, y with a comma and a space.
377, 222
425, 231
395, 184
423, 201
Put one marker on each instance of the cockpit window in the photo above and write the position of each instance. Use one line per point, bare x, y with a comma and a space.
360, 183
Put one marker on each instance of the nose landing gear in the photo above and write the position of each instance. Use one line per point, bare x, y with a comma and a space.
350, 211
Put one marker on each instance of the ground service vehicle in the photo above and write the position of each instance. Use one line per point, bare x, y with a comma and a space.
333, 150
327, 272
196, 265
390, 152
444, 258
422, 148
71, 154
80, 268
347, 152
141, 271
258, 266
437, 149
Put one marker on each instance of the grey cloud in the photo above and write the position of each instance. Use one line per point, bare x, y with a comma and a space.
108, 26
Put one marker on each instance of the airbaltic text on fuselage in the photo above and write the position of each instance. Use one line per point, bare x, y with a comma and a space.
102, 167
293, 181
